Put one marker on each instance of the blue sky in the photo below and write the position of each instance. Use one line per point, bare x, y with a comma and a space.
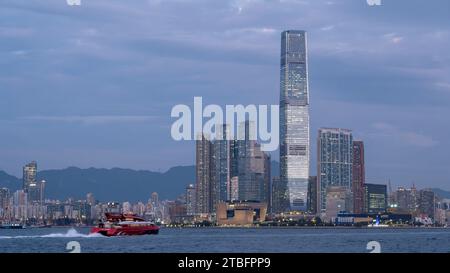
94, 85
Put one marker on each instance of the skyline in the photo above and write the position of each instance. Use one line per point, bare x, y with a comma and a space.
84, 116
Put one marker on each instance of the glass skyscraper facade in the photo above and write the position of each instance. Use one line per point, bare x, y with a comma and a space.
222, 162
294, 118
29, 175
335, 161
253, 166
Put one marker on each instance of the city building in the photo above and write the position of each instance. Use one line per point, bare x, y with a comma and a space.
334, 162
312, 194
178, 213
154, 199
190, 199
358, 176
20, 205
240, 213
4, 203
29, 175
427, 203
204, 186
280, 201
376, 198
407, 200
234, 188
34, 189
338, 200
221, 167
294, 118
252, 164
90, 199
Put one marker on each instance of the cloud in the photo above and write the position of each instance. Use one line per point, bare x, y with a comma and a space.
393, 38
328, 28
443, 86
91, 120
388, 130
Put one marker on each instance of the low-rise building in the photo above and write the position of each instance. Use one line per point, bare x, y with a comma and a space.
239, 213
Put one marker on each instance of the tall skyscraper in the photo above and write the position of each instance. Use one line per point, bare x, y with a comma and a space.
358, 176
204, 186
294, 118
222, 163
33, 188
29, 175
334, 162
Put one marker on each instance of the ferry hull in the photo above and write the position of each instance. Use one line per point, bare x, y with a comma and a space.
124, 231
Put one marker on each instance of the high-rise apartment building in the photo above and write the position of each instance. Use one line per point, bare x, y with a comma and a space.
204, 187
334, 162
190, 199
358, 176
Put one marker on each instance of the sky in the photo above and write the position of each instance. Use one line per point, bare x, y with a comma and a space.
93, 85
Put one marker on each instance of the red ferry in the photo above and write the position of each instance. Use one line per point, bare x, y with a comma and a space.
125, 224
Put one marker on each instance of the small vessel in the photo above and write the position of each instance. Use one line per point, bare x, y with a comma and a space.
118, 224
12, 226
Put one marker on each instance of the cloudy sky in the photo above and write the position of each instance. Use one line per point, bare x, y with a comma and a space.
94, 85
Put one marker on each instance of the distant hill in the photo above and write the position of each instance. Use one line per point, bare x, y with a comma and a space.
113, 184
121, 184
441, 193
8, 181
117, 184
109, 184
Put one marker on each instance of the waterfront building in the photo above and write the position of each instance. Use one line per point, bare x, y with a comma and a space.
338, 199
240, 213
294, 118
407, 200
4, 203
253, 166
312, 194
358, 176
221, 163
376, 198
190, 199
427, 203
280, 201
204, 183
334, 162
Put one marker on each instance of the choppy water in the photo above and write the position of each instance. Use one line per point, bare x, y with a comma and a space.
231, 240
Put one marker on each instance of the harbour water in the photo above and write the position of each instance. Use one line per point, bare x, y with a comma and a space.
232, 240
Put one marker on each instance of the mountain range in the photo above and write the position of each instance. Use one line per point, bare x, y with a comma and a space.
118, 184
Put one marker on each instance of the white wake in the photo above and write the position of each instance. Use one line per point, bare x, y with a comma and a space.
71, 233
